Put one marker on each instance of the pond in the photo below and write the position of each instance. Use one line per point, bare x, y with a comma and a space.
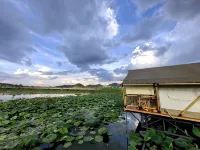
93, 121
30, 96
118, 140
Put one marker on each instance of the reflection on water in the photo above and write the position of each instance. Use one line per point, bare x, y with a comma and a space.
29, 96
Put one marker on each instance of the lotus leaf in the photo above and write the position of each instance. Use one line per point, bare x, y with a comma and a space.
87, 138
92, 132
77, 123
68, 144
79, 137
102, 131
196, 131
81, 133
80, 142
63, 130
49, 138
98, 138
182, 142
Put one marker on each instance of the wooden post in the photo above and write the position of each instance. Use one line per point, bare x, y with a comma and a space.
124, 96
189, 106
157, 98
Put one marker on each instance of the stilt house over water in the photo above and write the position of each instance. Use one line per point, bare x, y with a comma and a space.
170, 91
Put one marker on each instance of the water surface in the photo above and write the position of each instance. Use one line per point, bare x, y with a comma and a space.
30, 96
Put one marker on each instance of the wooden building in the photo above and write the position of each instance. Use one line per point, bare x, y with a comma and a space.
170, 91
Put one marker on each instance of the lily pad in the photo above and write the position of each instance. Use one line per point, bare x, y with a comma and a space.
79, 137
49, 138
102, 131
87, 138
80, 142
196, 131
92, 132
98, 138
81, 133
77, 123
63, 130
68, 144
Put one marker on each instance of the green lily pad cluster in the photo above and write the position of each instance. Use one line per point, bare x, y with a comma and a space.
157, 140
29, 123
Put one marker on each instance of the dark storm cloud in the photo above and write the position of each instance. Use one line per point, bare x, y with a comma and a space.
62, 72
102, 74
62, 15
182, 9
122, 70
146, 29
15, 45
82, 53
83, 25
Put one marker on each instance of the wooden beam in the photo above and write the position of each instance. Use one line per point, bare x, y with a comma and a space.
157, 98
138, 84
163, 115
179, 83
189, 106
145, 84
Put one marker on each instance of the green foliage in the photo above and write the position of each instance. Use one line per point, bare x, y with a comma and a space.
159, 141
80, 142
49, 138
102, 131
25, 124
87, 138
98, 138
68, 144
196, 131
63, 130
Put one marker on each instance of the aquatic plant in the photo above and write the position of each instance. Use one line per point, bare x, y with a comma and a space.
29, 123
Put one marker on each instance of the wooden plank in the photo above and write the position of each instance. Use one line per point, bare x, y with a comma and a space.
163, 115
189, 106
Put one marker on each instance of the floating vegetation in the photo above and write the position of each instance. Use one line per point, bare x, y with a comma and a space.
27, 124
158, 140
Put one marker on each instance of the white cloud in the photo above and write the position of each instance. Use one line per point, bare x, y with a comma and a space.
113, 26
144, 58
42, 68
36, 75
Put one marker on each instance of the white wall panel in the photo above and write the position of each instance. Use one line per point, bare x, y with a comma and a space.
146, 90
178, 98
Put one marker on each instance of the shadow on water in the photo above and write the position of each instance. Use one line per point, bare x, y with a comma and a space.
118, 140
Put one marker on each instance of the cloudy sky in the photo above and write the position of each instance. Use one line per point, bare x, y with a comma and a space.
56, 42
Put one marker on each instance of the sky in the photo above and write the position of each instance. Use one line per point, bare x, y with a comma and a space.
62, 42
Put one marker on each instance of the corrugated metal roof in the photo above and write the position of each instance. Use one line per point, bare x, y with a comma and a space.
186, 73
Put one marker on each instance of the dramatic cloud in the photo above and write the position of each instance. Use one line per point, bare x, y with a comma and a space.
86, 26
181, 9
53, 42
102, 74
15, 44
143, 5
35, 75
147, 29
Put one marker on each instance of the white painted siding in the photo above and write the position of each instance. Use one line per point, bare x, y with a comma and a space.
146, 90
178, 98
